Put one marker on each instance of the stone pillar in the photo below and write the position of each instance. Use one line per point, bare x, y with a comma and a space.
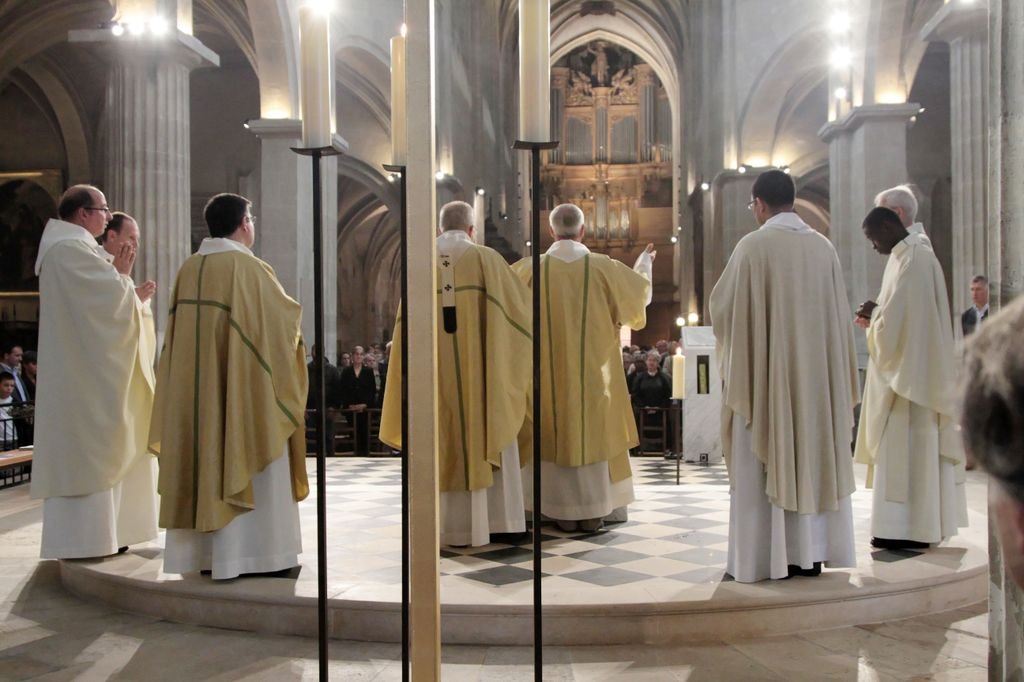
147, 160
284, 235
965, 28
867, 153
1006, 263
730, 194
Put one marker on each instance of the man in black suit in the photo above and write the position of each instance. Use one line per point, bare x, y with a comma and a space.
979, 311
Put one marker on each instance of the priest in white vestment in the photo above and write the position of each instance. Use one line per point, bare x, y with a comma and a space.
785, 347
95, 389
902, 201
483, 343
906, 434
228, 427
588, 426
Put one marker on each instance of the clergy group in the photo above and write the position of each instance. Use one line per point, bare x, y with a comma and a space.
223, 412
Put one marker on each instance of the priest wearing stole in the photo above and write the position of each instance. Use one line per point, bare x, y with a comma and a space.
95, 390
588, 425
483, 356
785, 348
906, 434
227, 425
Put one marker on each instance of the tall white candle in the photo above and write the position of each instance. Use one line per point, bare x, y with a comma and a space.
317, 76
399, 145
678, 376
478, 217
534, 70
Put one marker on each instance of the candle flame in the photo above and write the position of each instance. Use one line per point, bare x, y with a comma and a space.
404, 31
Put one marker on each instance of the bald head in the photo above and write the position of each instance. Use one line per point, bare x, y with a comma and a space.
566, 222
456, 215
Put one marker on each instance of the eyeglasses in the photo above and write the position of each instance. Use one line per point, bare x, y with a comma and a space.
101, 209
252, 218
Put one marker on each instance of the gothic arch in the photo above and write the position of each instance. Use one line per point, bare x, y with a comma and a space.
275, 37
68, 115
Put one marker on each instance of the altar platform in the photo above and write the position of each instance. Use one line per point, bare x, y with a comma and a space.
655, 579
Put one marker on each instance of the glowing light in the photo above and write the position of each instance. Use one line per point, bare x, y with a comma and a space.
674, 239
135, 28
704, 186
921, 110
756, 162
693, 318
840, 93
680, 321
480, 191
741, 169
158, 26
404, 30
439, 176
913, 119
892, 97
785, 169
841, 57
117, 30
321, 7
529, 243
839, 22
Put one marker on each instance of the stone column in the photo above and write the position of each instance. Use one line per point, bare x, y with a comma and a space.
867, 153
147, 160
284, 235
965, 28
730, 194
1006, 264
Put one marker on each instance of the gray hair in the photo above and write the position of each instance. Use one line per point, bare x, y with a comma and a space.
456, 215
992, 407
652, 354
900, 196
566, 220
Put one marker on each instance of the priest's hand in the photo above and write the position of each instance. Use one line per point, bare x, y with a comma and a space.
124, 259
650, 250
146, 290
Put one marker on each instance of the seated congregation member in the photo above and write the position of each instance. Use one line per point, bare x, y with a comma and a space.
227, 420
484, 362
652, 387
587, 427
8, 429
992, 416
907, 423
785, 350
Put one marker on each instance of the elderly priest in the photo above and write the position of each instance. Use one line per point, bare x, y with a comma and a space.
95, 389
483, 356
228, 424
588, 425
785, 346
906, 434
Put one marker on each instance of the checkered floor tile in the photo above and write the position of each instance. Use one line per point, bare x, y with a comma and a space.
676, 533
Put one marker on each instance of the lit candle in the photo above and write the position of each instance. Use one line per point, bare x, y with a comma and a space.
678, 376
317, 82
534, 70
478, 216
398, 138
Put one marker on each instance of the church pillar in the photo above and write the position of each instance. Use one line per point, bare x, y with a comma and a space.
730, 194
964, 27
1006, 264
284, 218
147, 160
867, 153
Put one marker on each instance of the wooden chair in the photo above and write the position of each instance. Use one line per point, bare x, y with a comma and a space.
377, 447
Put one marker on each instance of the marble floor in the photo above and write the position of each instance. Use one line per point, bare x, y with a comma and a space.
47, 634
